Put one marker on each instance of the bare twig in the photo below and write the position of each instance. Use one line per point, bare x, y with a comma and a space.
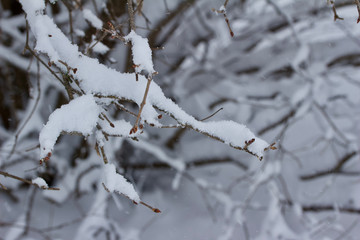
31, 113
29, 208
336, 16
337, 169
204, 119
135, 128
223, 11
131, 15
357, 2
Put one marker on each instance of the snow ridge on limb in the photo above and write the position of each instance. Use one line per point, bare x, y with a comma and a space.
115, 182
103, 82
78, 116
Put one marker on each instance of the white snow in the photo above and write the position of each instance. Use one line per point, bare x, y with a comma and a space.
222, 9
40, 182
115, 182
94, 20
121, 128
79, 115
97, 78
100, 48
177, 163
141, 51
33, 6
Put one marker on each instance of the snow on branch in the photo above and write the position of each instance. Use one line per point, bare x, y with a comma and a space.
115, 182
105, 83
80, 116
142, 55
93, 20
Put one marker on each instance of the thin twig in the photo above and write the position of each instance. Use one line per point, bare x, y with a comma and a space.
31, 113
337, 169
134, 129
204, 119
29, 211
357, 2
131, 15
103, 154
5, 174
156, 210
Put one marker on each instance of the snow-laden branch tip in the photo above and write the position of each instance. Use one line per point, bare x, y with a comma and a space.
115, 182
97, 79
141, 51
80, 116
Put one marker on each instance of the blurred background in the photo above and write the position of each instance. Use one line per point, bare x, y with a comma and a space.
290, 73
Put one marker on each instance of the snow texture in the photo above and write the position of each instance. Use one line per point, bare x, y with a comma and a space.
114, 182
94, 20
80, 115
40, 182
141, 51
100, 48
97, 78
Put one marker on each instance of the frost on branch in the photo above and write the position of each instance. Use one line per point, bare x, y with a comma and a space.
106, 83
114, 182
80, 116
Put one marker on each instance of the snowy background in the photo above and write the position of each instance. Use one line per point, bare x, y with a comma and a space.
70, 99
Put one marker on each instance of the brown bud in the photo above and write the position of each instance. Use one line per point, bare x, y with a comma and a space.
160, 116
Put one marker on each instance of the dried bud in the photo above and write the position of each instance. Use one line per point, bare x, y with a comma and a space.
160, 116
133, 130
50, 35
157, 210
74, 70
141, 126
